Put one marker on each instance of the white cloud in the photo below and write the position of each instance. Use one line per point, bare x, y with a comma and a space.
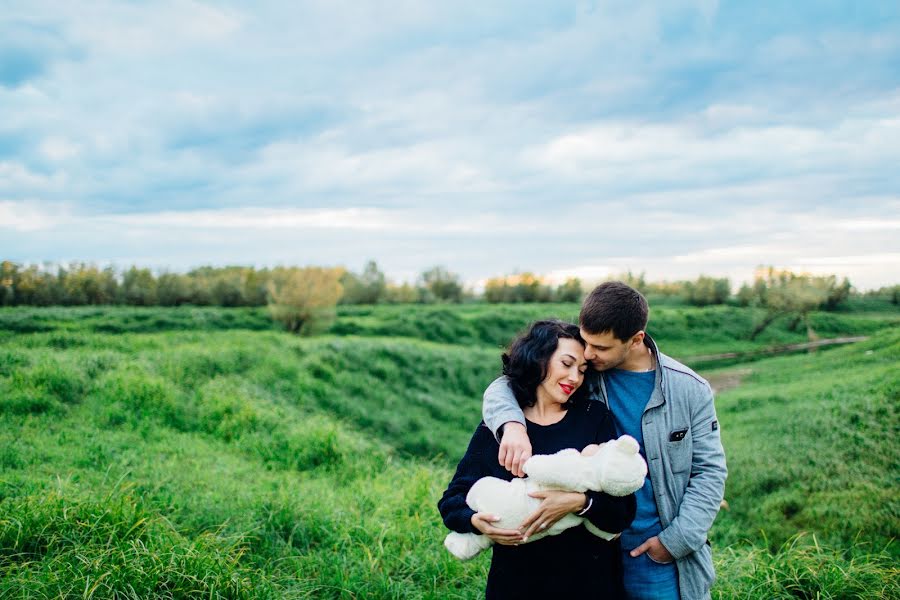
132, 28
27, 216
16, 179
676, 149
869, 224
59, 149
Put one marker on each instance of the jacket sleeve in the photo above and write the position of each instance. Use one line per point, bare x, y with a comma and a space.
500, 406
454, 511
706, 485
610, 513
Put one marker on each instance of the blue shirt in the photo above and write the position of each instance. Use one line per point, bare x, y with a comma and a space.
628, 393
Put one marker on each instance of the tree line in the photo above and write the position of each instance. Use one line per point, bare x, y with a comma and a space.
302, 297
80, 283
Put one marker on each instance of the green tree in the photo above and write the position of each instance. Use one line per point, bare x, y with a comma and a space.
227, 286
87, 284
570, 290
637, 281
401, 294
521, 287
782, 292
138, 287
173, 289
497, 290
9, 278
441, 285
369, 287
707, 290
255, 287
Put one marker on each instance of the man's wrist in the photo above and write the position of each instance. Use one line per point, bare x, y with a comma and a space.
511, 425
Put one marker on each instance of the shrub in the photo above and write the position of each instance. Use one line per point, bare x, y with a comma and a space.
304, 300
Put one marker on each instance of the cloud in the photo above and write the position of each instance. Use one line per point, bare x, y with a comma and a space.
663, 152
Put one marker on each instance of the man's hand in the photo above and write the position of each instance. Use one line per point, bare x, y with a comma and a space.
655, 550
515, 448
507, 537
556, 504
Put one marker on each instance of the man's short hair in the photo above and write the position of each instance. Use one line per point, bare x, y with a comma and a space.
616, 307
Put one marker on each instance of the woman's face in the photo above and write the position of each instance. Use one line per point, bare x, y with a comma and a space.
565, 371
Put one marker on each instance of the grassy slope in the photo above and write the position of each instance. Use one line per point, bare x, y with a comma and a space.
685, 331
812, 445
813, 458
214, 463
252, 464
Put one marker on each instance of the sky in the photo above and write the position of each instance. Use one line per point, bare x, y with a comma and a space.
586, 139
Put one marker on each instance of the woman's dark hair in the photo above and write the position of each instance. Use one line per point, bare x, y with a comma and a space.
525, 363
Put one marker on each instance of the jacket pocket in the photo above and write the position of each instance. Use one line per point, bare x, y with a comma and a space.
678, 449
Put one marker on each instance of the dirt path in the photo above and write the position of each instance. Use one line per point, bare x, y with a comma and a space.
722, 381
729, 379
775, 350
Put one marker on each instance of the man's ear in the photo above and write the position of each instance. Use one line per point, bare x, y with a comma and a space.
637, 338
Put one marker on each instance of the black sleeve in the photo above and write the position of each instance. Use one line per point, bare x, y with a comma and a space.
612, 514
456, 513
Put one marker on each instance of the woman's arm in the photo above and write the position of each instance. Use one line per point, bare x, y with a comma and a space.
456, 513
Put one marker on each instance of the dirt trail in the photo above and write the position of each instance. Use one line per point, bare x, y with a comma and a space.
727, 380
775, 350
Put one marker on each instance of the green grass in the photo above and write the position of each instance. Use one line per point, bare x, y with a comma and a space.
228, 462
685, 331
812, 446
131, 319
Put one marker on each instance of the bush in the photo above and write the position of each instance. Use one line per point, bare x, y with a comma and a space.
304, 300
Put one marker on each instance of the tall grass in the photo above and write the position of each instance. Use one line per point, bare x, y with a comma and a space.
803, 568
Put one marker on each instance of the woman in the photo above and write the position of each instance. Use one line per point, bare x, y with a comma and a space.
545, 367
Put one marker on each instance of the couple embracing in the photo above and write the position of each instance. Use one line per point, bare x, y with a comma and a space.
568, 386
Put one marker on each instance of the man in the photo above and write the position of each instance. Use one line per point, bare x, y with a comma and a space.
669, 409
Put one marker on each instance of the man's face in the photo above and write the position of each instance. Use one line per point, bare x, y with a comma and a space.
604, 350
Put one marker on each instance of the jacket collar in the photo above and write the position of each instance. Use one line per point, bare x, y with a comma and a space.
658, 397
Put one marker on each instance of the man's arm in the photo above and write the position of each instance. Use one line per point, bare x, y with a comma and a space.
500, 410
706, 486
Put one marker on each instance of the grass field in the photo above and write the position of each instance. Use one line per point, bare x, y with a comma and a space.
220, 458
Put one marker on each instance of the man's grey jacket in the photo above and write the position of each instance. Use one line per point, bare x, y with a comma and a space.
687, 469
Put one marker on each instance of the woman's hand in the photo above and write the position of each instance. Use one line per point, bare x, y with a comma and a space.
556, 504
515, 448
506, 537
